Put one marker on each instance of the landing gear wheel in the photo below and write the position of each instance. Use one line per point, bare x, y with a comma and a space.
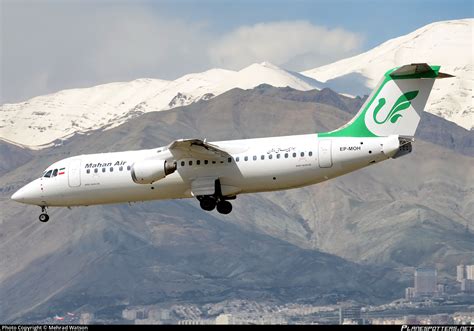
208, 203
224, 207
44, 218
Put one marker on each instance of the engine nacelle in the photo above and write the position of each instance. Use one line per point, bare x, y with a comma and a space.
149, 171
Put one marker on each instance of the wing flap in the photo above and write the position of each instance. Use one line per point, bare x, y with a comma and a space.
195, 148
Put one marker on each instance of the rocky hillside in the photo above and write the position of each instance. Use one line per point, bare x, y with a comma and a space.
355, 237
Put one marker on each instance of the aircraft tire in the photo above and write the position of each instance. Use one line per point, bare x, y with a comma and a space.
224, 207
44, 218
208, 203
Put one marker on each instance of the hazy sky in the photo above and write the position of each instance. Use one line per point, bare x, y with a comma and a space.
47, 46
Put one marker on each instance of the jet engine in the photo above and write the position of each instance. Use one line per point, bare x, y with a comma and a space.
149, 171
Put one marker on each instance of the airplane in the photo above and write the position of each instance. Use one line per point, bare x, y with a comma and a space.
216, 172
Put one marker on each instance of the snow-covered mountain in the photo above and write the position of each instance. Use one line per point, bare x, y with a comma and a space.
447, 43
43, 120
40, 121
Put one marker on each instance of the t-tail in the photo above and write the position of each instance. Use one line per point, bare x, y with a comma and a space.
394, 106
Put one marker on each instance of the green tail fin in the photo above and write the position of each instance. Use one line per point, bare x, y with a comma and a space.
394, 105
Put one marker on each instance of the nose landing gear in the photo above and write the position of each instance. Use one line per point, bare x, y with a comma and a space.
43, 217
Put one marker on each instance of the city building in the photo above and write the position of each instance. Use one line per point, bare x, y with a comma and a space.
350, 314
460, 272
86, 318
129, 314
425, 282
470, 272
388, 321
411, 319
409, 293
196, 322
159, 314
464, 318
441, 319
467, 285
440, 289
224, 319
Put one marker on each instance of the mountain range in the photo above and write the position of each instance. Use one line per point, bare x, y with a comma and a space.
447, 43
47, 120
357, 237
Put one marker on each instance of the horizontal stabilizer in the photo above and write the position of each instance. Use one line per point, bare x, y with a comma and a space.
444, 75
418, 70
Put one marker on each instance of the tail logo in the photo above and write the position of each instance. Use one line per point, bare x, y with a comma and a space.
402, 103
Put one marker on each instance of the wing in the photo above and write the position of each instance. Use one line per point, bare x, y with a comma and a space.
195, 148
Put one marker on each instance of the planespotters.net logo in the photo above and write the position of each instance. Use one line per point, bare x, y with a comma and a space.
437, 327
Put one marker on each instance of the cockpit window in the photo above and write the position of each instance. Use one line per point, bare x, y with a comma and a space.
55, 172
48, 174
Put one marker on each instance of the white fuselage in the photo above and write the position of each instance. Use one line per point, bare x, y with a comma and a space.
255, 165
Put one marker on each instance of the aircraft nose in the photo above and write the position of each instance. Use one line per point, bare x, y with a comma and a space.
17, 196
29, 193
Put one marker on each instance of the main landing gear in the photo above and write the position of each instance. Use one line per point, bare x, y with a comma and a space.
217, 200
210, 202
43, 217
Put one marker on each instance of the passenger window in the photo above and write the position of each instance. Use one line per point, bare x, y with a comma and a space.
120, 168
55, 172
129, 167
48, 174
246, 158
96, 170
206, 161
198, 162
229, 160
111, 169
286, 155
270, 156
310, 153
255, 157
88, 171
278, 156
213, 162
182, 163
237, 159
262, 157
302, 154
294, 154
103, 169
190, 163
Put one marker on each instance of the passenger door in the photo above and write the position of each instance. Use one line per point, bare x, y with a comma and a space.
74, 176
325, 153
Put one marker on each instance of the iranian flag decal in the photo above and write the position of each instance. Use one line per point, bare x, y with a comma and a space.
61, 171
